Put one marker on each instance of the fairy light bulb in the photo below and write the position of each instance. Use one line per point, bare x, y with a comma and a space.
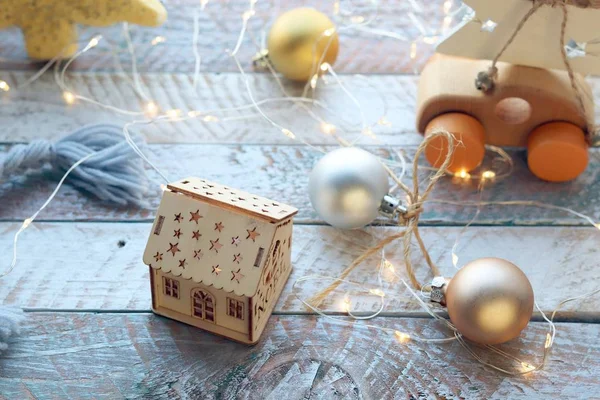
447, 6
175, 113
210, 118
327, 128
151, 109
346, 304
383, 121
402, 337
313, 81
158, 40
69, 97
387, 264
488, 175
288, 133
94, 42
248, 14
463, 174
4, 86
325, 67
548, 342
413, 50
377, 292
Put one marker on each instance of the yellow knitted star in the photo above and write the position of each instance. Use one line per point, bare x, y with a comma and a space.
49, 26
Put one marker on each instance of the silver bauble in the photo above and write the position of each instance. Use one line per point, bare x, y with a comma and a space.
346, 187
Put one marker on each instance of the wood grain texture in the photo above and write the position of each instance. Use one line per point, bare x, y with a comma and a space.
66, 356
281, 173
64, 266
24, 111
220, 23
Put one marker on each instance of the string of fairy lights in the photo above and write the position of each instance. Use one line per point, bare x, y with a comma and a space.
151, 113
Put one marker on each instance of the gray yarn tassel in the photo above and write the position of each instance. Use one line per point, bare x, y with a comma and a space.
115, 174
10, 318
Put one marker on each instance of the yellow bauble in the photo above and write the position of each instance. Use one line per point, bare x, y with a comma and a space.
299, 41
489, 300
49, 26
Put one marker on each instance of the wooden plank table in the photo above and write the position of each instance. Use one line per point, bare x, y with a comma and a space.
89, 331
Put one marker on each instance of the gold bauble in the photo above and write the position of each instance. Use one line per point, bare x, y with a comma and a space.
300, 41
489, 300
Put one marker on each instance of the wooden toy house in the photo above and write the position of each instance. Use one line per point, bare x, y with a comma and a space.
218, 257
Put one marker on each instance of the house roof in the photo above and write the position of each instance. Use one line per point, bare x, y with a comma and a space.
215, 193
211, 242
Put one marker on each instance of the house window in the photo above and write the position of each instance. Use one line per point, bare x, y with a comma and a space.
203, 305
171, 287
235, 308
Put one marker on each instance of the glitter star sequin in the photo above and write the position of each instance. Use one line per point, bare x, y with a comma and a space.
235, 241
216, 270
177, 233
158, 256
198, 254
196, 235
219, 227
237, 258
178, 218
182, 263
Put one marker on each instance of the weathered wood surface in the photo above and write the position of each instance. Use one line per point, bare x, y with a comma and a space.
88, 269
220, 23
281, 173
391, 97
67, 356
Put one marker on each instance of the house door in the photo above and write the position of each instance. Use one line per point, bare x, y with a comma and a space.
203, 305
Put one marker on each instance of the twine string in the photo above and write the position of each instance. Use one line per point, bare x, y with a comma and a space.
408, 219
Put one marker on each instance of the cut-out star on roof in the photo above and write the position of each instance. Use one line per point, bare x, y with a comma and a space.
195, 216
173, 248
215, 245
50, 26
538, 42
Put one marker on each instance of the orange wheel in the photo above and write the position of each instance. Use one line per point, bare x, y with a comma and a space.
557, 151
469, 142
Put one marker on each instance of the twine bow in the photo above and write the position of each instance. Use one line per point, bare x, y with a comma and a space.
485, 79
409, 219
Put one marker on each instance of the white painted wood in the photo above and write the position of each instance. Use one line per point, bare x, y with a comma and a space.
39, 111
86, 268
538, 42
41, 105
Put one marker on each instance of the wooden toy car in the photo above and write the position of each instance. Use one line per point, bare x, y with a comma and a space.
529, 107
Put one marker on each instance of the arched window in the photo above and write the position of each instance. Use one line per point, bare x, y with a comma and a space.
203, 305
